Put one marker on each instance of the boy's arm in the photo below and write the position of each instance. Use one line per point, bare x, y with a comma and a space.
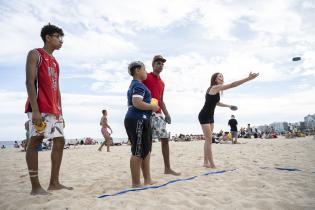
60, 101
140, 104
163, 107
31, 77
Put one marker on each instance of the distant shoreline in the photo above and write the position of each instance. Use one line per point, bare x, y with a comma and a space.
10, 144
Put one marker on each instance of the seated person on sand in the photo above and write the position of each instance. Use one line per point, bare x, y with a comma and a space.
215, 139
16, 145
274, 135
23, 145
289, 135
224, 138
267, 135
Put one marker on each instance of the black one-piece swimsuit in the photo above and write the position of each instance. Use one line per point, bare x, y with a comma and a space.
206, 114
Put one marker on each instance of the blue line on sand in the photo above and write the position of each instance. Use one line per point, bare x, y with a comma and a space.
287, 169
162, 185
283, 168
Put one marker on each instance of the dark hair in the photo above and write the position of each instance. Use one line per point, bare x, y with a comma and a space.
133, 66
103, 111
133, 69
50, 30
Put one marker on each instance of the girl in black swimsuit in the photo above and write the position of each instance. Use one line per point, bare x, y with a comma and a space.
206, 114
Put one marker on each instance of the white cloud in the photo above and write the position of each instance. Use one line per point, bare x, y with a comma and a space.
92, 46
102, 37
218, 18
12, 102
140, 14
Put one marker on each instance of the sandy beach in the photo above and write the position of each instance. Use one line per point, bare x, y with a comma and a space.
254, 184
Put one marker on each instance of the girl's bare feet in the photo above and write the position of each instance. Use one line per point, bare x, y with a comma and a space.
209, 166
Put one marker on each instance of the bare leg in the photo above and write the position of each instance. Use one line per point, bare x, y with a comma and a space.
206, 155
135, 163
236, 140
56, 158
166, 157
207, 132
100, 148
32, 164
107, 139
145, 166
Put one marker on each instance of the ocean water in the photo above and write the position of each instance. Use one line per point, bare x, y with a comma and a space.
8, 144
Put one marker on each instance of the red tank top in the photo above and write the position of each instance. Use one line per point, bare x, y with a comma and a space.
47, 85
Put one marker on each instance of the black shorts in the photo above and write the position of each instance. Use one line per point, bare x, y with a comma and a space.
205, 118
140, 135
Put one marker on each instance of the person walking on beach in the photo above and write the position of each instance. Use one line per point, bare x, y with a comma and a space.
233, 124
249, 131
156, 85
43, 107
206, 114
138, 125
105, 133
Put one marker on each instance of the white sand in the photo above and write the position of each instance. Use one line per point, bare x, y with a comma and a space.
93, 173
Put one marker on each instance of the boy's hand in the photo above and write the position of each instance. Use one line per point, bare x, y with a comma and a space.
155, 107
36, 118
168, 119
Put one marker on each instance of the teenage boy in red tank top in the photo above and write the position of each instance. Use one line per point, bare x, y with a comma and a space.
156, 85
43, 108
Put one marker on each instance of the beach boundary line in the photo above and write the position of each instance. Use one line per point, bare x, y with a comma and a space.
282, 168
163, 185
289, 169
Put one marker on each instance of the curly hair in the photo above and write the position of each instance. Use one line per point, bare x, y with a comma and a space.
50, 30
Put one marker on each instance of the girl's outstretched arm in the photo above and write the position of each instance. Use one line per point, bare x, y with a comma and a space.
223, 105
219, 88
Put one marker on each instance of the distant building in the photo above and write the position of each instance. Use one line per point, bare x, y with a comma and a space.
280, 126
309, 121
307, 124
302, 126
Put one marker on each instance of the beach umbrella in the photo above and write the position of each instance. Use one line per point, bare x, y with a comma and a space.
296, 58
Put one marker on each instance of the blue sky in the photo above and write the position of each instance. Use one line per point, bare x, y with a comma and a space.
198, 38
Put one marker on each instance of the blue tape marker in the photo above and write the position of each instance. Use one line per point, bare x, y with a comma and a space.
217, 172
162, 185
147, 187
288, 169
282, 168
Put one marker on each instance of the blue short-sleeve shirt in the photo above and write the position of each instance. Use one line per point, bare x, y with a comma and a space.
138, 89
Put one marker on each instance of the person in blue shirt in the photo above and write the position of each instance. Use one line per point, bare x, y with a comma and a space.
137, 124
